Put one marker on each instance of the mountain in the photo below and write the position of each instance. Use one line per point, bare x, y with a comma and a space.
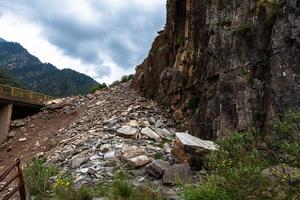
31, 73
6, 79
225, 66
2, 40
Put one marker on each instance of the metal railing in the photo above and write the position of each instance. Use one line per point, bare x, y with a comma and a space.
21, 184
24, 94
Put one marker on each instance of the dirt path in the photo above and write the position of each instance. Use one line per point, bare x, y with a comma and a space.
41, 135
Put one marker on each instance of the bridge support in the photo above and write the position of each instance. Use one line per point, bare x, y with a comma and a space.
5, 117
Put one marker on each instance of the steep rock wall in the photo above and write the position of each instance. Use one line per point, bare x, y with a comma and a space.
225, 65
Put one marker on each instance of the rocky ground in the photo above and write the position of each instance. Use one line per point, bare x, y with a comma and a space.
94, 136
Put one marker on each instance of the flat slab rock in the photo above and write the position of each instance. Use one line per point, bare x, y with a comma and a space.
151, 134
164, 133
127, 131
189, 140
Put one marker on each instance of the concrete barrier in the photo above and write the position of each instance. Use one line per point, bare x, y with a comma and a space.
5, 117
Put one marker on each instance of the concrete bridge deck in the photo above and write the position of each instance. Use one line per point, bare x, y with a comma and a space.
15, 102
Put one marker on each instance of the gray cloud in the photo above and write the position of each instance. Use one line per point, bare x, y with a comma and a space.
124, 34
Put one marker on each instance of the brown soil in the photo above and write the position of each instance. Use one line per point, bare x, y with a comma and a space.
41, 135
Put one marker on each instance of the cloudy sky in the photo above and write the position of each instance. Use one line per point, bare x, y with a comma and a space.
102, 38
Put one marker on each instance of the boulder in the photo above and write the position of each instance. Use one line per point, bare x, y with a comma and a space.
157, 168
151, 134
133, 151
139, 161
189, 149
172, 174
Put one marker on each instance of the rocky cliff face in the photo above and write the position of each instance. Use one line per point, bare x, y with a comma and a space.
225, 65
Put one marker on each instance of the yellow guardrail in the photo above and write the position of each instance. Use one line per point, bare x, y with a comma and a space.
24, 94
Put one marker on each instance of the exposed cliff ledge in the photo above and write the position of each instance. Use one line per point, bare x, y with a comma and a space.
225, 65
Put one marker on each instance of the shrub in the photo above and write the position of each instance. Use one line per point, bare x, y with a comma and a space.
37, 175
115, 83
98, 87
238, 163
122, 189
285, 139
126, 78
205, 191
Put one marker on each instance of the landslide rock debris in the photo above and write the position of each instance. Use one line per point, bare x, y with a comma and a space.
116, 129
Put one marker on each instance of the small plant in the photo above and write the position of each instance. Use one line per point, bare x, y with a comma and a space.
37, 175
98, 87
64, 190
224, 23
123, 189
272, 8
268, 3
158, 156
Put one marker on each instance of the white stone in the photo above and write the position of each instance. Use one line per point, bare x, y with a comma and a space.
95, 157
84, 170
189, 140
22, 139
151, 134
109, 155
119, 146
133, 123
127, 131
167, 148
